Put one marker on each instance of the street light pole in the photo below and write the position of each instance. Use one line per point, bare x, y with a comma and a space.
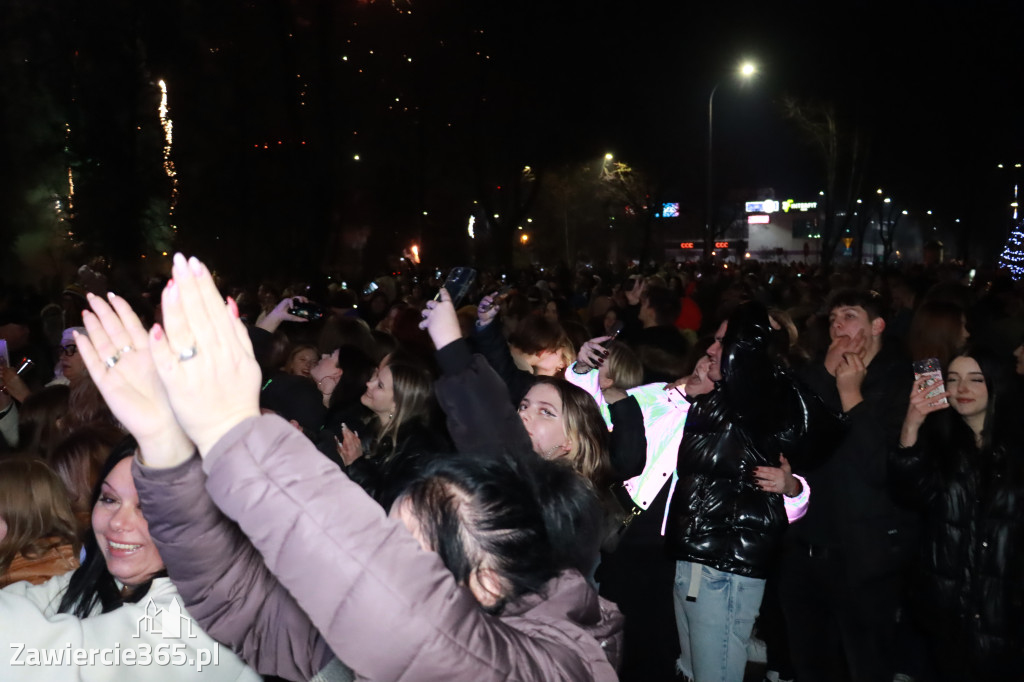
746, 70
707, 214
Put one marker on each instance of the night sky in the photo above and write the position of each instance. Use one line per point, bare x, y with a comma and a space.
444, 102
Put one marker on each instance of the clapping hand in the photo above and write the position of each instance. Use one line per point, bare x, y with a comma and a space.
204, 357
116, 353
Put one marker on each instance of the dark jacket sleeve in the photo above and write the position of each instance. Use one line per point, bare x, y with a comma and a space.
915, 475
628, 439
475, 401
491, 344
222, 578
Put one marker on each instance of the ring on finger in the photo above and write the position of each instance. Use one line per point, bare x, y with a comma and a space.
112, 360
187, 353
126, 349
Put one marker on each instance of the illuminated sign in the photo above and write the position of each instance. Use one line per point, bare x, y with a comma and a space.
721, 245
670, 210
758, 219
686, 245
789, 205
771, 206
766, 206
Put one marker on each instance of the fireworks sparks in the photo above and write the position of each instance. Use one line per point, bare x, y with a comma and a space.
168, 126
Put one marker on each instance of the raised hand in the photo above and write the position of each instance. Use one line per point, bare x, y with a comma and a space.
204, 357
116, 353
920, 407
487, 309
272, 320
441, 321
592, 354
12, 385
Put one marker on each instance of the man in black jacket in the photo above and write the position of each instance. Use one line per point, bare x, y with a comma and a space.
725, 525
842, 563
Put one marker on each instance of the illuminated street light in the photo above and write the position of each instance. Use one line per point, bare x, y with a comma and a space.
609, 156
746, 71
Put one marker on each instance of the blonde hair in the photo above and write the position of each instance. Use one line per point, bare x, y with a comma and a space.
623, 366
35, 507
587, 432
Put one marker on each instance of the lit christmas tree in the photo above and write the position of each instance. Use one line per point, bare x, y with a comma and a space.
1012, 257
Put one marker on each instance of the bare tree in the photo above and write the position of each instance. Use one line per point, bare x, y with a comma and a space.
843, 150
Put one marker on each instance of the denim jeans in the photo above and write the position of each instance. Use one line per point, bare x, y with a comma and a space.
714, 629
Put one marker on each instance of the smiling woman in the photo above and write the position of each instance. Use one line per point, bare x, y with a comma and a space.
964, 467
103, 605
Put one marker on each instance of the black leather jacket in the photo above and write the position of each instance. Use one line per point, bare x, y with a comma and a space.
968, 592
718, 515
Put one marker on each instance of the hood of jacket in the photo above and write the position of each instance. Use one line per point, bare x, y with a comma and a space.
569, 597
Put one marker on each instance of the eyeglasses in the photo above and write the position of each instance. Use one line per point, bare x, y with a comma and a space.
68, 350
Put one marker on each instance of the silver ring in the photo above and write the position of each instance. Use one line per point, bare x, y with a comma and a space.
112, 360
187, 354
126, 349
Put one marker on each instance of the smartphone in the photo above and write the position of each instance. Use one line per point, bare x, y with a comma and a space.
370, 288
931, 370
5, 358
458, 282
616, 330
306, 310
499, 296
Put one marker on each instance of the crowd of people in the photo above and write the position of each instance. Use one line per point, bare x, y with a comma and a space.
636, 474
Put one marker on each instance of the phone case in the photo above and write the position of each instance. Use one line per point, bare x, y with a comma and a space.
932, 371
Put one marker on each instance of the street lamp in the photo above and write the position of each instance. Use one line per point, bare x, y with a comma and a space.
746, 71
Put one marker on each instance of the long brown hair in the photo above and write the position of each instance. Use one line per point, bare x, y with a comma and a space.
413, 388
35, 507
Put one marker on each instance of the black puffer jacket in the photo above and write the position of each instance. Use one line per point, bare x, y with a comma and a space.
719, 517
968, 591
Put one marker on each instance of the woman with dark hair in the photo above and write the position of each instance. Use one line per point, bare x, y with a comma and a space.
380, 592
38, 537
99, 609
964, 467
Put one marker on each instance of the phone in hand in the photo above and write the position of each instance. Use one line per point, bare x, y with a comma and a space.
930, 370
306, 310
615, 331
458, 283
498, 297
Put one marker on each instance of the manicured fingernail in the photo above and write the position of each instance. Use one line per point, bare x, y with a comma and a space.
157, 332
195, 266
179, 261
233, 307
111, 295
